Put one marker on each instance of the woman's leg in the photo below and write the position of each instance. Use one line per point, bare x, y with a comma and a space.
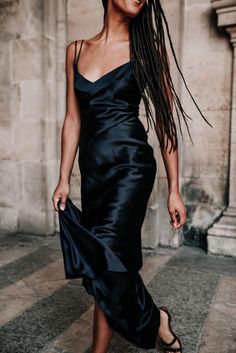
102, 333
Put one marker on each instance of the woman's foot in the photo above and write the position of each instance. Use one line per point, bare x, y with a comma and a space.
170, 342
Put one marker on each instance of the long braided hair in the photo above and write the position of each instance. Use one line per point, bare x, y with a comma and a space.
151, 70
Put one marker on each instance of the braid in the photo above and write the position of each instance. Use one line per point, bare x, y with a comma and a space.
105, 5
152, 73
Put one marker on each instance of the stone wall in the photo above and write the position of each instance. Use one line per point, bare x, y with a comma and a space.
29, 106
207, 65
22, 110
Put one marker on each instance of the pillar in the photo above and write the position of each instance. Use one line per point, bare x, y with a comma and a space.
222, 235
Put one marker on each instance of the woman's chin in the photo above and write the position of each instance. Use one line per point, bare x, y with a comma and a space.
132, 13
131, 8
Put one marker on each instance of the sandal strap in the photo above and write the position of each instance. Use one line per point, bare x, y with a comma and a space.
170, 344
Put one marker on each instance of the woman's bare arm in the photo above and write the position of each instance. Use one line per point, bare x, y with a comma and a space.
70, 134
175, 204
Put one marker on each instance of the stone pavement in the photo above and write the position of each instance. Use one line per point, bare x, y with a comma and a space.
43, 312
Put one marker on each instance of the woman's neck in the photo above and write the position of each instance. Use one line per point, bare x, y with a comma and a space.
116, 26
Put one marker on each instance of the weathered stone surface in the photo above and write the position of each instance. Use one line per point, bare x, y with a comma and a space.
150, 235
51, 172
29, 140
49, 140
220, 244
33, 184
199, 218
84, 18
32, 99
49, 60
202, 73
50, 98
32, 220
9, 172
206, 157
6, 138
221, 237
28, 106
23, 14
5, 62
9, 11
9, 219
9, 102
27, 61
75, 185
201, 190
31, 18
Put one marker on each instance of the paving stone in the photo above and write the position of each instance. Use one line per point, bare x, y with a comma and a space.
27, 264
38, 325
222, 315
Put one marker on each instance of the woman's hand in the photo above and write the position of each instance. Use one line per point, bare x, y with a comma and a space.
176, 209
61, 193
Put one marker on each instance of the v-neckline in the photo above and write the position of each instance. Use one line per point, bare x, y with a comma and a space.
103, 76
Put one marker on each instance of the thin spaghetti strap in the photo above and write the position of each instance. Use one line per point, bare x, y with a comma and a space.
75, 51
79, 51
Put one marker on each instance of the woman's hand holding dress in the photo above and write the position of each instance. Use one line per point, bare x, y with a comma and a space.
61, 193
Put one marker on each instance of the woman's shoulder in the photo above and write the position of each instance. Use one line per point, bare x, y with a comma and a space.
72, 48
77, 42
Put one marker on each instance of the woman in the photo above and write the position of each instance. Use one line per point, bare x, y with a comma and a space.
107, 76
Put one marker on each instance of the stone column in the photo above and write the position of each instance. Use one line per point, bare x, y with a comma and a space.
222, 235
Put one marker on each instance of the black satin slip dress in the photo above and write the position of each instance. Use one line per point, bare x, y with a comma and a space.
102, 242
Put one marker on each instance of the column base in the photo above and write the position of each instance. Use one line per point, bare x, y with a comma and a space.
221, 237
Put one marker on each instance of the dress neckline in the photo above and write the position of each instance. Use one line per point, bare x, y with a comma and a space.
103, 76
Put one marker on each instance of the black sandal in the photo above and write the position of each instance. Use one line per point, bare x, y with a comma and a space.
167, 346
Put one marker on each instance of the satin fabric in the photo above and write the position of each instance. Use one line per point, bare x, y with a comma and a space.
102, 242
